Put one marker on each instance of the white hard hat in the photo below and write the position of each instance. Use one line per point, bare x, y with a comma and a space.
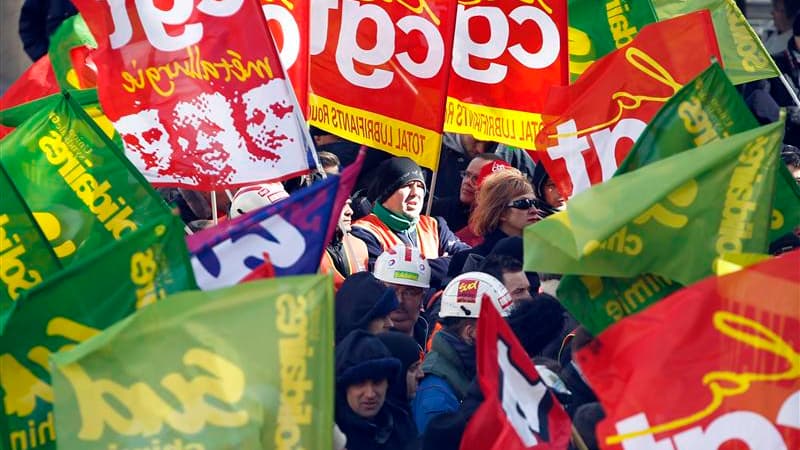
250, 198
463, 295
403, 265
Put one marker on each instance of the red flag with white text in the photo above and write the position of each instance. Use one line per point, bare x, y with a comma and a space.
507, 54
379, 73
197, 92
713, 366
519, 411
592, 125
288, 23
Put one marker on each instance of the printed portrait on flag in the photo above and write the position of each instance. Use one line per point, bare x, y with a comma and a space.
197, 92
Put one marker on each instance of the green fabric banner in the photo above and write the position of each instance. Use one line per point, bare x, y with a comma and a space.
72, 306
743, 55
247, 367
68, 51
724, 190
597, 28
69, 172
26, 257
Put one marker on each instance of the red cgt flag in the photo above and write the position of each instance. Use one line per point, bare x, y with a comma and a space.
507, 54
713, 366
519, 411
379, 73
288, 23
197, 92
591, 126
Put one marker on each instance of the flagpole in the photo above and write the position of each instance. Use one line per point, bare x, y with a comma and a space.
789, 89
214, 214
430, 194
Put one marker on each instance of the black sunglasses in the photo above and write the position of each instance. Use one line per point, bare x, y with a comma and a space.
524, 203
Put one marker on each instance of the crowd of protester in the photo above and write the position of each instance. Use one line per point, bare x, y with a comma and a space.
405, 371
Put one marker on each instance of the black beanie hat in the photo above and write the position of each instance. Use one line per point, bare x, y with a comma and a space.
361, 356
540, 176
393, 174
361, 299
404, 348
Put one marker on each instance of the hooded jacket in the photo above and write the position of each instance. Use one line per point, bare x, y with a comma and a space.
361, 299
361, 356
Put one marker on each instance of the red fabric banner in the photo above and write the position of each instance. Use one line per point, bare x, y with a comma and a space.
519, 411
506, 56
592, 125
713, 366
379, 73
288, 23
197, 92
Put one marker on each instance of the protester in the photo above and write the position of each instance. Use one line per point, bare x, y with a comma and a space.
329, 162
257, 196
363, 303
509, 272
38, 19
547, 192
450, 366
541, 325
399, 192
455, 209
404, 348
505, 205
403, 269
345, 254
365, 371
783, 14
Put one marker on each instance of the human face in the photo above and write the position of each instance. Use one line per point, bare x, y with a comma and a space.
518, 286
331, 170
380, 325
407, 200
366, 398
513, 220
782, 22
413, 376
469, 185
474, 146
551, 194
407, 312
346, 218
795, 171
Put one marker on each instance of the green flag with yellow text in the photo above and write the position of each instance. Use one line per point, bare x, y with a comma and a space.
743, 55
597, 28
77, 181
26, 257
672, 218
74, 305
246, 367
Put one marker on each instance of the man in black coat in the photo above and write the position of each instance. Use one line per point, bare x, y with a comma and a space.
38, 20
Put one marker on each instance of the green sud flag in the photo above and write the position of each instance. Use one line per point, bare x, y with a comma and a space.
26, 257
247, 367
77, 181
706, 109
743, 55
72, 306
597, 28
687, 211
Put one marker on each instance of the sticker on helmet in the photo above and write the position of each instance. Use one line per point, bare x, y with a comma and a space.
404, 275
467, 291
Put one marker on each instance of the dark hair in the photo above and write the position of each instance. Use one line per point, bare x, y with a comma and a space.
455, 325
790, 154
792, 7
497, 265
328, 159
537, 323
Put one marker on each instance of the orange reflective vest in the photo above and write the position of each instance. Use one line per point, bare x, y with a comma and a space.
427, 234
356, 252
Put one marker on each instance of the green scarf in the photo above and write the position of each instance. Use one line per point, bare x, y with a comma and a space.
394, 221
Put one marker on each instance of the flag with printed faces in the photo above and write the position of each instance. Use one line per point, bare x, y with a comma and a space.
197, 92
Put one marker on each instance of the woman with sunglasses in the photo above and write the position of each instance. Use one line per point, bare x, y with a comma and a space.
505, 204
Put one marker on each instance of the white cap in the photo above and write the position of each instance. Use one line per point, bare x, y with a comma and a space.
250, 198
403, 265
463, 295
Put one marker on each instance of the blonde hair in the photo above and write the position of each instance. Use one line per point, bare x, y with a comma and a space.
495, 193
